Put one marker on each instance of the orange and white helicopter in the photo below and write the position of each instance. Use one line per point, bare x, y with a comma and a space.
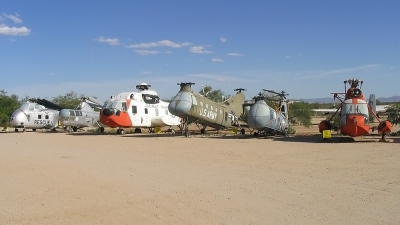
142, 109
354, 113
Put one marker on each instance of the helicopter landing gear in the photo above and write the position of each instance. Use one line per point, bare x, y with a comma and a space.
16, 130
202, 130
138, 130
255, 134
74, 129
187, 133
242, 131
120, 131
102, 129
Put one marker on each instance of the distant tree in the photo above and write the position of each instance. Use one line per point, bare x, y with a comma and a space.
68, 101
214, 95
7, 105
393, 113
300, 112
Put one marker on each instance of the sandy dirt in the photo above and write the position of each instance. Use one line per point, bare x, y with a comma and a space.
86, 178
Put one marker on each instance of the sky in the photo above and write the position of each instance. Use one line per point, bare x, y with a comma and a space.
101, 48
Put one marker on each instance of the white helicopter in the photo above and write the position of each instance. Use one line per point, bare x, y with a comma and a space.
32, 115
265, 119
83, 116
142, 109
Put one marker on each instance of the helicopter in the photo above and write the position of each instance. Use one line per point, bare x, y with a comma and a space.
83, 116
32, 114
142, 109
354, 113
264, 118
193, 107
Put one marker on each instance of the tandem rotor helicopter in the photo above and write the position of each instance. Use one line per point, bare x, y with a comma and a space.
264, 118
193, 107
142, 109
353, 113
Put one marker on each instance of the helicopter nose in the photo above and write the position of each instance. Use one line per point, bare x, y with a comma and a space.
108, 112
181, 104
259, 115
17, 118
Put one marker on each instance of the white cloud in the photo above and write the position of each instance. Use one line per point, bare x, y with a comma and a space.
217, 60
234, 54
147, 52
163, 43
110, 41
199, 50
15, 18
223, 39
186, 44
16, 31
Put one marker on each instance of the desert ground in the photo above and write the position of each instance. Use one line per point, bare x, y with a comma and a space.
92, 178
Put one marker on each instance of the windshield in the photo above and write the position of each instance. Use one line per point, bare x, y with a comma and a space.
351, 109
24, 106
117, 105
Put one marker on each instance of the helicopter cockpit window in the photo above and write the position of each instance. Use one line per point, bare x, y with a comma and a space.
31, 107
150, 99
105, 104
134, 109
350, 109
117, 105
124, 106
37, 106
24, 106
109, 104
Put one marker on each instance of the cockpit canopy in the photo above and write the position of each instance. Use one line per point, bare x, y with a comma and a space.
28, 106
116, 104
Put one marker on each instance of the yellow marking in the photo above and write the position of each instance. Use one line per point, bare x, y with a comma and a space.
158, 130
326, 134
234, 130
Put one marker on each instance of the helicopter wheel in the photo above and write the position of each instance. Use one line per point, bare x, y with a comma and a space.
24, 130
74, 129
255, 134
242, 131
102, 129
33, 130
122, 132
118, 131
16, 130
202, 130
187, 133
138, 130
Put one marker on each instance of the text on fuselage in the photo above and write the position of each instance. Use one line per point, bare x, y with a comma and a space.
208, 113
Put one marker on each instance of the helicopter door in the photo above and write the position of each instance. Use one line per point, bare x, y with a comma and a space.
135, 117
147, 117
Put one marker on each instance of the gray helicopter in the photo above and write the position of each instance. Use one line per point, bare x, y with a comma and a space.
265, 119
33, 115
83, 116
